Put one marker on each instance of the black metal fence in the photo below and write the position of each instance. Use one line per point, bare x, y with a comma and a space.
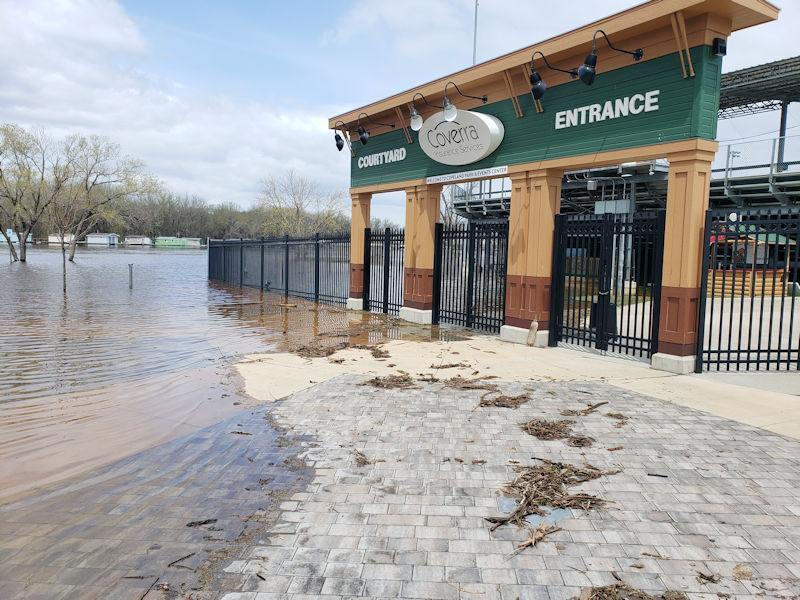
469, 275
316, 268
606, 286
383, 270
749, 307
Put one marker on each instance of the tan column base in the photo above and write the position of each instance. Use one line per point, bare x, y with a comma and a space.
356, 280
677, 328
527, 298
418, 288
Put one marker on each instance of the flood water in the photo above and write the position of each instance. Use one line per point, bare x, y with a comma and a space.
107, 370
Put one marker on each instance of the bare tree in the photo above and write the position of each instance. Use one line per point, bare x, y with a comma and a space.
99, 177
295, 206
32, 173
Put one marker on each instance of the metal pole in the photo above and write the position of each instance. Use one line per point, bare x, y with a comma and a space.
241, 262
130, 276
782, 166
475, 34
316, 267
286, 267
387, 249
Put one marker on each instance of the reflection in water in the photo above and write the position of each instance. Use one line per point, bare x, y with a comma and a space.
108, 370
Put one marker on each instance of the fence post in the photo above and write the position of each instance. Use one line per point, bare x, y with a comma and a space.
387, 238
471, 232
438, 232
658, 271
286, 266
557, 282
241, 261
701, 308
604, 281
261, 278
316, 268
367, 268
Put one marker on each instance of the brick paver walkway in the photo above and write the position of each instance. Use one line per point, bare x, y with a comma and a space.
697, 493
119, 532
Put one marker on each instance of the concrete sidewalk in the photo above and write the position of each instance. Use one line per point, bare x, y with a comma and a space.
766, 400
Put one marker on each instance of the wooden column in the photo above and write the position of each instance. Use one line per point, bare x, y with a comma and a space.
535, 201
422, 213
687, 202
358, 221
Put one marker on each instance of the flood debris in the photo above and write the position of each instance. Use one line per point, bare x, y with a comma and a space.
239, 432
546, 485
503, 401
590, 408
742, 572
622, 591
615, 448
201, 523
401, 381
538, 535
379, 352
580, 441
706, 577
361, 458
457, 365
622, 420
548, 430
317, 350
471, 383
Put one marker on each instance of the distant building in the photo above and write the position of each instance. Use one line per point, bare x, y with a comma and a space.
102, 239
138, 240
13, 237
53, 238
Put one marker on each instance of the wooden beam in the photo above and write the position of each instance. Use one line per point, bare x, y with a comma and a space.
403, 124
682, 27
512, 96
678, 44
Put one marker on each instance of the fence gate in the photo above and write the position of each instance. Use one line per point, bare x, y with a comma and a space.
748, 300
469, 275
606, 284
383, 270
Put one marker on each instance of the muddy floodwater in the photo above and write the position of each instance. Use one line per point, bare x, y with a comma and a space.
106, 370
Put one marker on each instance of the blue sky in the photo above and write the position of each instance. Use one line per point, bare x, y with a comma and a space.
216, 96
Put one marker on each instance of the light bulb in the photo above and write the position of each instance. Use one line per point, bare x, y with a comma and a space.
450, 111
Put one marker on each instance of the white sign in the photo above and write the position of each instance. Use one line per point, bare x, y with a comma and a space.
610, 109
380, 158
469, 138
476, 174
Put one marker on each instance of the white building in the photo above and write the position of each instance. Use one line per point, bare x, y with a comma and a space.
102, 239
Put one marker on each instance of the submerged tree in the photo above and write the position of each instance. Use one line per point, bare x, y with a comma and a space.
33, 172
295, 206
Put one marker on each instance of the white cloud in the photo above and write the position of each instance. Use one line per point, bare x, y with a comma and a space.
75, 71
79, 67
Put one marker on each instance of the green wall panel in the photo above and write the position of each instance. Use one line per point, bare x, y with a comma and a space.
687, 109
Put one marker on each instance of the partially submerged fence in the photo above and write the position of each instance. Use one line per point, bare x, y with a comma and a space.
315, 268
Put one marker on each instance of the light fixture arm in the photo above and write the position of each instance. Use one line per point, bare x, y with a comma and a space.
483, 98
373, 122
424, 99
344, 127
572, 72
637, 54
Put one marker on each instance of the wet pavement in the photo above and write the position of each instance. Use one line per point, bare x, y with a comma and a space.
164, 520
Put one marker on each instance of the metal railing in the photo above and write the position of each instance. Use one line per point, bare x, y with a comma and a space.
383, 270
315, 268
470, 265
749, 310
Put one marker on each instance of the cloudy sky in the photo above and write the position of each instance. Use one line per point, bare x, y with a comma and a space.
214, 96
